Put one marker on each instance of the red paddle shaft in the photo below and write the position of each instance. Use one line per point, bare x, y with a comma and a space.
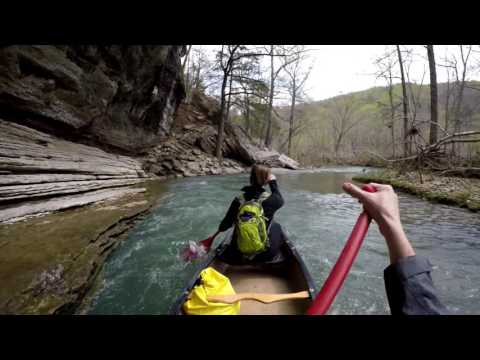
340, 271
207, 243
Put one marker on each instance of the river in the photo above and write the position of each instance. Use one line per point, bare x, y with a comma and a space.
144, 276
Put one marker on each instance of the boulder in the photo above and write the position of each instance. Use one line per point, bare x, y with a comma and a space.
275, 159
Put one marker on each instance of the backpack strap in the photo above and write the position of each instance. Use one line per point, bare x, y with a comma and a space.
241, 198
264, 196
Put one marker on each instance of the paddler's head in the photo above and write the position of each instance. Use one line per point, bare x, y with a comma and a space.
259, 175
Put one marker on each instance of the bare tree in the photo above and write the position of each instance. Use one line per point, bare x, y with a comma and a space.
343, 119
447, 100
405, 103
455, 91
297, 76
386, 64
186, 57
226, 59
433, 95
276, 51
253, 89
198, 70
230, 58
464, 55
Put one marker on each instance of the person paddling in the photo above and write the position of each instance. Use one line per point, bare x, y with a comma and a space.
408, 283
256, 237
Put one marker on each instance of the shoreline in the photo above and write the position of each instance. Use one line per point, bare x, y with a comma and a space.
455, 191
49, 263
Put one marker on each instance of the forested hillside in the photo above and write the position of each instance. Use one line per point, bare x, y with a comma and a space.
358, 127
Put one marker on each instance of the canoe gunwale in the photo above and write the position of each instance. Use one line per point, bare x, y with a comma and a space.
292, 255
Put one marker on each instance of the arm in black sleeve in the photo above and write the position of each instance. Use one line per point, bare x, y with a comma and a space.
274, 201
229, 218
410, 289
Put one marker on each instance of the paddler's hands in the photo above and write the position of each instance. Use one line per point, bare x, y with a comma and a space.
382, 206
271, 177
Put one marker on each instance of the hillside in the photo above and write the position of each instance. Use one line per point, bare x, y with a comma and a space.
367, 120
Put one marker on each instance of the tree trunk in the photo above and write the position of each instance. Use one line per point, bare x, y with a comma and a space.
268, 137
458, 104
247, 114
186, 57
196, 82
447, 103
405, 104
433, 95
292, 112
229, 98
337, 147
392, 114
187, 80
221, 123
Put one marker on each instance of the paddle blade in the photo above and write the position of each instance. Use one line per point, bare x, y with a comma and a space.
193, 251
197, 250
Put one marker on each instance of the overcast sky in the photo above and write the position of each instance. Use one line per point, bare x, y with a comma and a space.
345, 68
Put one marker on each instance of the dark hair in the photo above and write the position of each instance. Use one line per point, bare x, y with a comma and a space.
259, 175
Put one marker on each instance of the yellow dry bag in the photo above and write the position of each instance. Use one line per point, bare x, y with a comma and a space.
211, 283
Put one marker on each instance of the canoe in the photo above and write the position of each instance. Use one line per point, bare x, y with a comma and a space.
287, 273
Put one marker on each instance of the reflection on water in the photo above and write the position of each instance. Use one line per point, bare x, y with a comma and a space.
323, 183
144, 277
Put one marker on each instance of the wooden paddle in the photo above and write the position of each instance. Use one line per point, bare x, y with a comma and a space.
264, 298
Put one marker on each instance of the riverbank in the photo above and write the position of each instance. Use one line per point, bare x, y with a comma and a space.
49, 263
447, 190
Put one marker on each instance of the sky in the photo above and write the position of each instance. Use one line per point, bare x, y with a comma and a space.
345, 68
340, 69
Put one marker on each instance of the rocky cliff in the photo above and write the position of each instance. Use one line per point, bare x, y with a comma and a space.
117, 97
77, 119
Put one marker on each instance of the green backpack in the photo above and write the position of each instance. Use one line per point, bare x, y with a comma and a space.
251, 229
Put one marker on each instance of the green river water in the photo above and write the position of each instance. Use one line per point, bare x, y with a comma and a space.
144, 276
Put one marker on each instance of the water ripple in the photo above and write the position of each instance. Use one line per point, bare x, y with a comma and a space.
143, 276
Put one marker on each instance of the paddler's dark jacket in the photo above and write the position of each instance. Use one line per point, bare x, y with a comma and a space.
410, 289
270, 205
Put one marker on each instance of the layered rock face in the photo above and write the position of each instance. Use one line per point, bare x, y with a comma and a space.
120, 97
70, 115
36, 166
